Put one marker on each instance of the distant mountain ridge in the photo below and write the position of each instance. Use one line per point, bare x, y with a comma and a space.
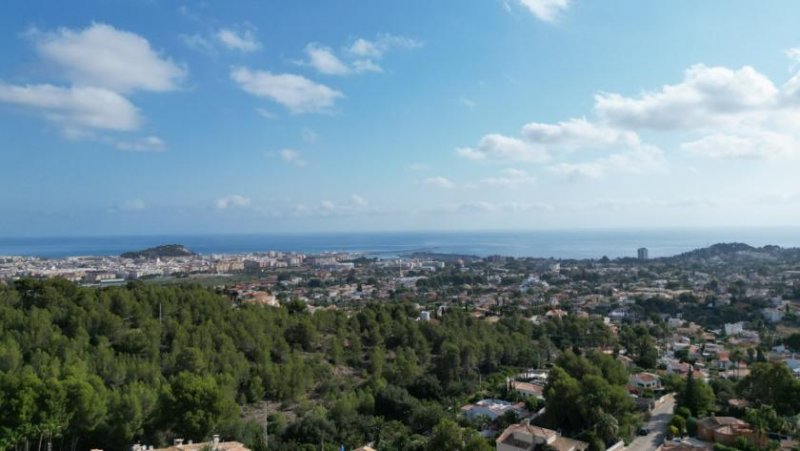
166, 250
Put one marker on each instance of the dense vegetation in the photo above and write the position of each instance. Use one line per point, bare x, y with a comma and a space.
109, 367
166, 250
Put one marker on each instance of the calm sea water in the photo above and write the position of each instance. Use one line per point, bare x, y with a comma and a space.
551, 243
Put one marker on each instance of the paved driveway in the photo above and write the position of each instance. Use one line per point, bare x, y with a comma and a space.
659, 418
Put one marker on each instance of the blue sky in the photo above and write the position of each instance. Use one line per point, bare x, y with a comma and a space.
156, 116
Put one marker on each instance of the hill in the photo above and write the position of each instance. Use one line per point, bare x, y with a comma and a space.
166, 250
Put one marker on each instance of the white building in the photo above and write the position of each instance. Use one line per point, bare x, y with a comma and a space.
492, 408
732, 329
772, 315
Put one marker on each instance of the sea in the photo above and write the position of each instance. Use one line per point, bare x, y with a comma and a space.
562, 244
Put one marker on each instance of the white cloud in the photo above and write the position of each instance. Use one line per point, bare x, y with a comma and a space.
707, 96
577, 133
753, 145
366, 66
510, 178
358, 201
146, 144
197, 42
546, 10
439, 182
133, 205
794, 55
383, 43
469, 103
639, 160
243, 41
102, 56
232, 201
325, 61
266, 114
292, 157
643, 202
297, 93
75, 109
504, 148
328, 208
308, 135
479, 207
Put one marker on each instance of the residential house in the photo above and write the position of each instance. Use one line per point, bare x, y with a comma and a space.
493, 408
732, 329
644, 381
728, 430
527, 389
527, 437
214, 445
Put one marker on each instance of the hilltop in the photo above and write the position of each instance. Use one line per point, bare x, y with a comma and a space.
166, 250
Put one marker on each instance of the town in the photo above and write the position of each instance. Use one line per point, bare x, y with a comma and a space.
697, 335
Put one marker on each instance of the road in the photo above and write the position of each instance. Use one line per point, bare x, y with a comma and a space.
659, 418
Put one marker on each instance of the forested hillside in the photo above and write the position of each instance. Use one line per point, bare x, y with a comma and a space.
146, 363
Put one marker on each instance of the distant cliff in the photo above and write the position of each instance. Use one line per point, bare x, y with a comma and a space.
167, 250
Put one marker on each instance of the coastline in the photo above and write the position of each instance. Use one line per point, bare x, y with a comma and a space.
562, 244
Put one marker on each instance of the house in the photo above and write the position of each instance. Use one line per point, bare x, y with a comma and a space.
674, 323
676, 367
493, 408
527, 389
645, 381
527, 437
214, 445
728, 430
772, 315
732, 329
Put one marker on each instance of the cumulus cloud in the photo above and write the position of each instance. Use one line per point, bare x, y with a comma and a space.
75, 109
509, 178
577, 133
504, 148
546, 10
292, 156
377, 48
361, 56
754, 145
707, 96
297, 93
243, 41
714, 112
103, 56
640, 160
324, 60
103, 65
232, 201
439, 182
